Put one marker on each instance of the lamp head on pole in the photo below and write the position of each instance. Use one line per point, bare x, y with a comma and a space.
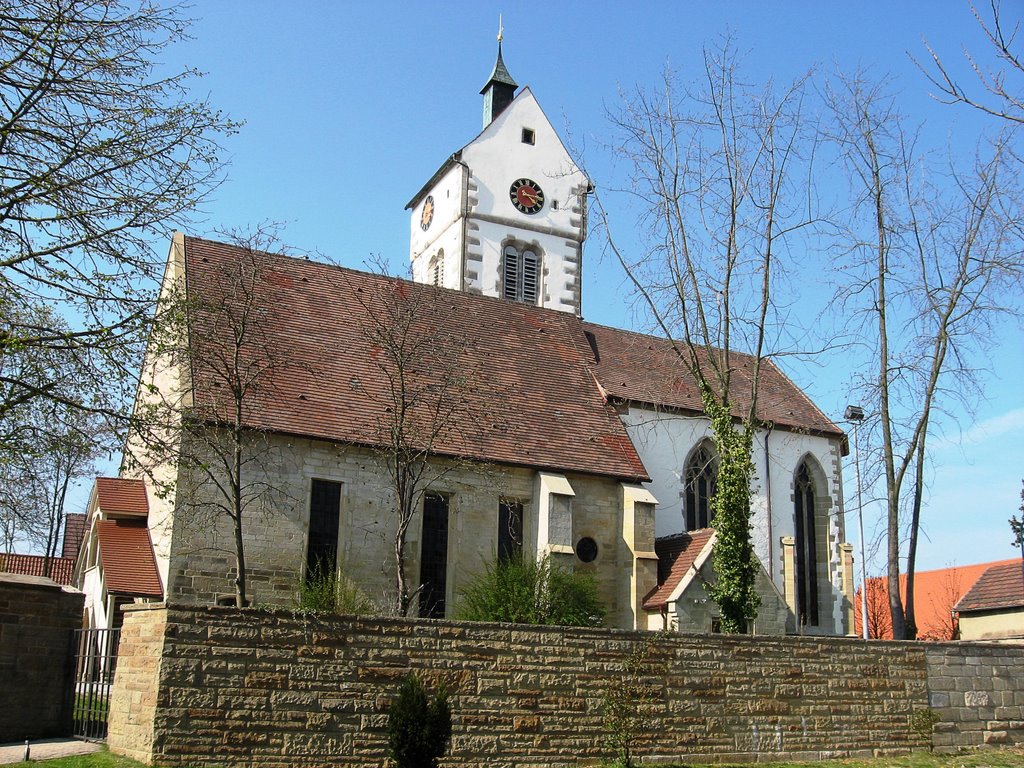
854, 413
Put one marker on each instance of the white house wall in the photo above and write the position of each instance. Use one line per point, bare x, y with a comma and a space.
161, 382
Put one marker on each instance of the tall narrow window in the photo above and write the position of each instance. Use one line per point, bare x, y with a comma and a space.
806, 548
324, 513
434, 556
510, 530
701, 473
520, 274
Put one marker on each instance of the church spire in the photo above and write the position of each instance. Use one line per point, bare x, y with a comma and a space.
500, 88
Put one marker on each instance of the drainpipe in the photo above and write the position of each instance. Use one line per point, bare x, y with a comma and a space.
768, 496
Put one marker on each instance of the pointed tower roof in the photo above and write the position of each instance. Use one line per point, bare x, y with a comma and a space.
500, 73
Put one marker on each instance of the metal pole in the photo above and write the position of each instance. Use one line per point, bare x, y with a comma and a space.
860, 524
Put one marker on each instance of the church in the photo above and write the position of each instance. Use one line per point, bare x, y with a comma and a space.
548, 435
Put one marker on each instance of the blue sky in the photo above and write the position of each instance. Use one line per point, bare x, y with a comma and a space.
350, 107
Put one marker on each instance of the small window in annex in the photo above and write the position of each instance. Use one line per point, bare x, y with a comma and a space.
324, 520
529, 136
701, 474
510, 529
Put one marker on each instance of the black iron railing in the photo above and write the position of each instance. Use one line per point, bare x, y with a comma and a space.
94, 663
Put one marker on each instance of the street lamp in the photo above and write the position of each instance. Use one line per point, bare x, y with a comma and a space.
855, 415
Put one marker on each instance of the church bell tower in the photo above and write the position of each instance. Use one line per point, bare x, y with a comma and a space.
505, 216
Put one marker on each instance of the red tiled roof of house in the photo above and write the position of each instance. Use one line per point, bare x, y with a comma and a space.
120, 496
527, 396
61, 568
126, 554
74, 532
1001, 586
536, 379
676, 555
936, 592
644, 369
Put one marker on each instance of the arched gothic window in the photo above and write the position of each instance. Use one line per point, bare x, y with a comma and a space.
520, 271
806, 547
700, 477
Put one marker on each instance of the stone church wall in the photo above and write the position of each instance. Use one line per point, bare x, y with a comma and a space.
273, 689
202, 560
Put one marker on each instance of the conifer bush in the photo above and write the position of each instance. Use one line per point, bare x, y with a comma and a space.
419, 728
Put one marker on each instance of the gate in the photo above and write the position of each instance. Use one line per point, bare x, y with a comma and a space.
94, 662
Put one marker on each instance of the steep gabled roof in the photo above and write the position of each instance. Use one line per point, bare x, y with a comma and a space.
115, 495
1000, 586
61, 568
677, 554
126, 554
529, 397
642, 369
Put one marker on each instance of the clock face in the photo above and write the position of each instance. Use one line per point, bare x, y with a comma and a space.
428, 213
526, 195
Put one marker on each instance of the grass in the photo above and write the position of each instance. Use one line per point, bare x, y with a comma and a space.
994, 758
102, 759
989, 758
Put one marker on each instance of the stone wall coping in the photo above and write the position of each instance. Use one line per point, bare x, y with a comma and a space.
36, 582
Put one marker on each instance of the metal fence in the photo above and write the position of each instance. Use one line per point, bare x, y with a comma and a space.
94, 663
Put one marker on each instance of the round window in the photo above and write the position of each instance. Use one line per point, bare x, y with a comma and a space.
586, 549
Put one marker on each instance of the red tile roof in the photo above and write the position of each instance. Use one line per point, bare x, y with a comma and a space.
644, 369
126, 554
74, 532
936, 592
676, 555
1001, 586
120, 496
536, 379
528, 398
61, 568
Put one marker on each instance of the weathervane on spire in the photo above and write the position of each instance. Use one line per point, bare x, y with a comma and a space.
501, 29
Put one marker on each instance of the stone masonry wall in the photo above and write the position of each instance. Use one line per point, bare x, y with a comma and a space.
975, 689
36, 619
202, 562
133, 709
273, 689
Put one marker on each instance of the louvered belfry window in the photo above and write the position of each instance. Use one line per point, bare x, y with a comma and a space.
520, 274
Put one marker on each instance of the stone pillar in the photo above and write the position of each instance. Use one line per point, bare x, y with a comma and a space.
637, 536
846, 558
789, 576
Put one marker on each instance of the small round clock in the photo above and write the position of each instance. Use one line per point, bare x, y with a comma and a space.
526, 195
427, 216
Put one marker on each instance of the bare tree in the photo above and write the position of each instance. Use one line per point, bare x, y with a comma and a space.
217, 335
998, 92
927, 260
879, 621
34, 484
99, 153
427, 427
720, 172
943, 599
